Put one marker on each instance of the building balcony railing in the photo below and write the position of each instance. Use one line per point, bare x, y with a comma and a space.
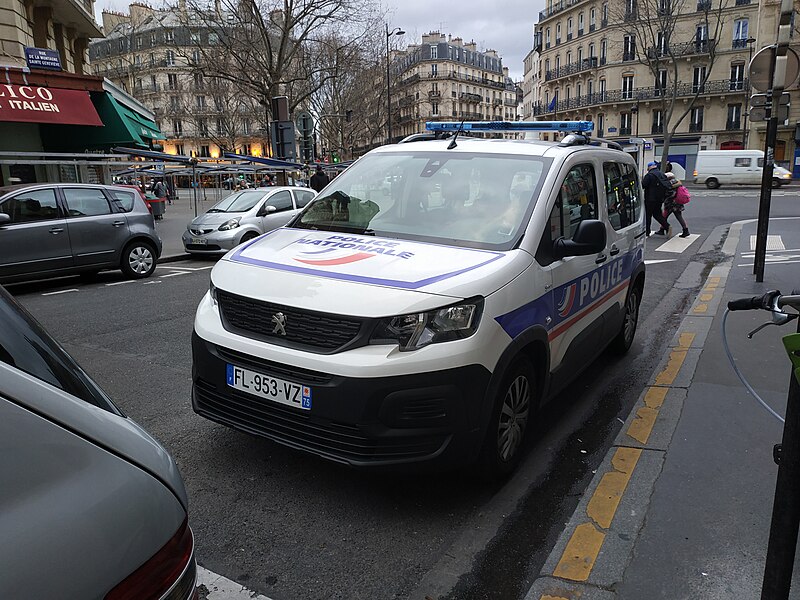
510, 102
497, 101
704, 5
657, 129
405, 119
742, 2
469, 97
683, 49
592, 27
739, 44
556, 7
733, 124
603, 22
406, 100
695, 127
569, 37
150, 88
580, 32
451, 75
683, 90
571, 69
631, 15
471, 116
624, 131
434, 94
628, 56
558, 41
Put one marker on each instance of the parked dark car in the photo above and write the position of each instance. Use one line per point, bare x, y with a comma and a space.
92, 505
57, 229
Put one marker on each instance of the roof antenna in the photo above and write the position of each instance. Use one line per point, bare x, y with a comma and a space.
452, 143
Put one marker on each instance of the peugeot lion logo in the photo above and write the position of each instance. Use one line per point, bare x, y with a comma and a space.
280, 323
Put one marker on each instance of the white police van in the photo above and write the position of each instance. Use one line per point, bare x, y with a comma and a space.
428, 300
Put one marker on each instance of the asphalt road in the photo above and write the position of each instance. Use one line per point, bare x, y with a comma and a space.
294, 527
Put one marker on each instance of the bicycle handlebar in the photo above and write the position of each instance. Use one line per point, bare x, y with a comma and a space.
771, 301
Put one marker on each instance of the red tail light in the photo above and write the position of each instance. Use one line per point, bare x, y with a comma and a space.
162, 571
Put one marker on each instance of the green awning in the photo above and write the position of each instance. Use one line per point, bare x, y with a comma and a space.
140, 124
122, 126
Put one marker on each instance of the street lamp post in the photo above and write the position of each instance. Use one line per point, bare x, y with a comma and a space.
389, 34
745, 112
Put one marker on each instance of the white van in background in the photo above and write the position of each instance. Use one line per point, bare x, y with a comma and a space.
722, 167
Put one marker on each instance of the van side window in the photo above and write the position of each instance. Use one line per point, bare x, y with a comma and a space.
622, 194
742, 162
577, 201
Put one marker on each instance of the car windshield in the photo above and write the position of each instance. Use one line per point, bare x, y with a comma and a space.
238, 202
468, 199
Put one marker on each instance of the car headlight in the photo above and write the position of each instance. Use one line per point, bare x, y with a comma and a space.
787, 175
417, 330
231, 224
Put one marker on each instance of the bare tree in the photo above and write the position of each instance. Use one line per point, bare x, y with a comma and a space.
651, 30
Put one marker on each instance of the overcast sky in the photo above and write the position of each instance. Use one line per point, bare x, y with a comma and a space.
505, 26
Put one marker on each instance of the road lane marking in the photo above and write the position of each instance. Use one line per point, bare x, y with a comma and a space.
580, 554
174, 274
60, 292
121, 282
186, 268
678, 244
222, 588
642, 425
659, 260
674, 364
774, 242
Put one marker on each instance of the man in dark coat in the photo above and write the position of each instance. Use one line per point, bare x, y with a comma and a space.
655, 186
319, 180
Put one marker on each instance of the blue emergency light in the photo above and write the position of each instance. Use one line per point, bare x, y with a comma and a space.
571, 126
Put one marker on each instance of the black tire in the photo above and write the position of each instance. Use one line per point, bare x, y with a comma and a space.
776, 183
250, 235
138, 260
712, 183
514, 405
622, 343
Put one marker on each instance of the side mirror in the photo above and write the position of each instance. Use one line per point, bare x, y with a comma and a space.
4, 218
266, 210
589, 238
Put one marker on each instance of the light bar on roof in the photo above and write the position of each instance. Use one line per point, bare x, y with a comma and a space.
577, 126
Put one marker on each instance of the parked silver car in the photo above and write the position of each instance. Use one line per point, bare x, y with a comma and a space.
243, 216
61, 228
92, 507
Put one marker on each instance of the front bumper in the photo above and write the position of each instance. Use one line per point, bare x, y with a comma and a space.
217, 242
431, 417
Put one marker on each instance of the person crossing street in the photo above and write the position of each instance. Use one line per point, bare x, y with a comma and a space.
655, 186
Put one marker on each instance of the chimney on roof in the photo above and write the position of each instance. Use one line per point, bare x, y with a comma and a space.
472, 46
111, 19
139, 12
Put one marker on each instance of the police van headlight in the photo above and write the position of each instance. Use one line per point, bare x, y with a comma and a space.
417, 330
230, 224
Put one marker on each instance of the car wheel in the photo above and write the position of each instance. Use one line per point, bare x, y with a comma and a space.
513, 407
138, 260
250, 235
622, 343
776, 183
712, 183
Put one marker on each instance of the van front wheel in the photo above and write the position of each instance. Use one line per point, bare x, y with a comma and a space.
712, 183
776, 183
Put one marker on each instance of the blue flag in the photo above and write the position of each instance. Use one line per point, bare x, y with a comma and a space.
552, 106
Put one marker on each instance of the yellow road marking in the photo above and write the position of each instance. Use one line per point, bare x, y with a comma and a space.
549, 597
670, 372
685, 339
706, 297
582, 549
642, 426
715, 279
700, 308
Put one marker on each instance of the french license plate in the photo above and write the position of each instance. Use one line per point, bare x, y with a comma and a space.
271, 388
200, 241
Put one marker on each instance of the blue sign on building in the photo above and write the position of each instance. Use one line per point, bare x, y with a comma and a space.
43, 58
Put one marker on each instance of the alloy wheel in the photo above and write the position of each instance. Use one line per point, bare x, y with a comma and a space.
513, 417
140, 259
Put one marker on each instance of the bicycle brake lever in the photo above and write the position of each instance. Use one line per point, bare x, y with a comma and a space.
778, 319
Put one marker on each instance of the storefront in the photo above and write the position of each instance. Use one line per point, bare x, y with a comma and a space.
56, 112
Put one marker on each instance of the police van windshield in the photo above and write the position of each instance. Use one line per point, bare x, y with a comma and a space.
467, 199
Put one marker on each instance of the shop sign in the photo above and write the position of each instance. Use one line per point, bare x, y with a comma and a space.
43, 58
34, 104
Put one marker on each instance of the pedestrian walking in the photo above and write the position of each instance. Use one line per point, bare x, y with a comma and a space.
319, 180
655, 186
675, 201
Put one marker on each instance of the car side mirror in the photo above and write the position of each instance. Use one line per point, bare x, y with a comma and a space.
4, 218
266, 210
589, 238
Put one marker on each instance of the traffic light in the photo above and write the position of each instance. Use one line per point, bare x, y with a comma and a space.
335, 157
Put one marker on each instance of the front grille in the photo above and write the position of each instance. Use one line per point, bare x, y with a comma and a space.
299, 428
268, 367
304, 328
200, 231
202, 247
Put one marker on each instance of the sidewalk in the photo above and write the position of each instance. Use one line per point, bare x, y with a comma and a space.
681, 506
178, 215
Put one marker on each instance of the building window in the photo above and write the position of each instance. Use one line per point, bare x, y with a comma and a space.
152, 59
153, 40
220, 126
701, 38
201, 102
174, 102
434, 51
177, 127
434, 70
202, 128
194, 38
580, 24
170, 58
195, 56
699, 79
630, 9
696, 122
434, 108
558, 34
661, 82
658, 122
601, 122
629, 47
740, 33
172, 81
737, 77
169, 37
603, 52
625, 123
627, 87
205, 151
592, 19
661, 43
734, 117
213, 38
569, 29
138, 42
199, 84
179, 149
547, 37
604, 15
246, 130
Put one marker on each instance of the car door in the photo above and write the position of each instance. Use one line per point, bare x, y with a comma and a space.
36, 240
96, 231
625, 234
577, 327
276, 211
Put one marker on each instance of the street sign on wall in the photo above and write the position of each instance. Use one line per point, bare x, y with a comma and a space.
43, 58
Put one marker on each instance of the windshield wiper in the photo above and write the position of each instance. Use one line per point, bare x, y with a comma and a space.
215, 210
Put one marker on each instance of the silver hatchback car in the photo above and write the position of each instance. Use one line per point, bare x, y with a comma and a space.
62, 228
243, 216
91, 506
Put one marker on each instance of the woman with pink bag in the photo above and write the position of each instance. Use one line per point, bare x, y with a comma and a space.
675, 202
